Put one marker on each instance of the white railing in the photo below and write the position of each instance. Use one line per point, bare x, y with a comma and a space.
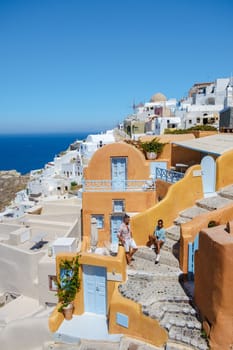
132, 185
121, 186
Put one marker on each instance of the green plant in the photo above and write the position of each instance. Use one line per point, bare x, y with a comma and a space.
152, 146
69, 281
189, 130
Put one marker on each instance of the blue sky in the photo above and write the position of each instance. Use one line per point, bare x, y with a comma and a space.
79, 65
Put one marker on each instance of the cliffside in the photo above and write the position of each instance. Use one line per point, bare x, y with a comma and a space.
10, 182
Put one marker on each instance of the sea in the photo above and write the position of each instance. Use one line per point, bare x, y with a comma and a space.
32, 151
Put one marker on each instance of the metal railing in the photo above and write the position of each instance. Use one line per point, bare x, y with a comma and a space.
170, 176
132, 185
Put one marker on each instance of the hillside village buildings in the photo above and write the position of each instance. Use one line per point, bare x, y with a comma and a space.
202, 106
116, 177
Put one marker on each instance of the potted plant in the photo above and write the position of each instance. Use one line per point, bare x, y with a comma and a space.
68, 285
152, 148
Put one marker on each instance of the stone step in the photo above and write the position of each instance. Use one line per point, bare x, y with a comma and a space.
172, 246
159, 310
149, 254
149, 292
226, 192
169, 244
190, 213
213, 203
178, 221
51, 345
189, 337
173, 232
171, 345
171, 319
83, 345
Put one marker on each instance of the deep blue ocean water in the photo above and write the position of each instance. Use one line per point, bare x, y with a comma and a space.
28, 152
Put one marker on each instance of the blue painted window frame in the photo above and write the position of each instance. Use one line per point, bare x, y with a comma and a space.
118, 205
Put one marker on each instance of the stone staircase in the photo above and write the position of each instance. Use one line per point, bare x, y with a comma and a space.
160, 288
163, 297
161, 291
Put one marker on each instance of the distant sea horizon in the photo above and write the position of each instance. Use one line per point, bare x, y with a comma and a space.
26, 152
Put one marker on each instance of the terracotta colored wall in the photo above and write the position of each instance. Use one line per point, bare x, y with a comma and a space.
224, 172
185, 156
168, 209
162, 188
99, 166
224, 177
115, 265
167, 153
190, 229
139, 325
101, 203
214, 285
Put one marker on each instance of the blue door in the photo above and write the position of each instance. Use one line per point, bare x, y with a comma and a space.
208, 170
118, 173
94, 289
116, 220
192, 247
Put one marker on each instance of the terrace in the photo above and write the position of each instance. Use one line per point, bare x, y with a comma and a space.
169, 176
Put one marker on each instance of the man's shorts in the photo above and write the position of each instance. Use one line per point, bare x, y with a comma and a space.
130, 243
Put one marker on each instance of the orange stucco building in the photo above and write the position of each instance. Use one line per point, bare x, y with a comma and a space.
120, 312
117, 180
214, 285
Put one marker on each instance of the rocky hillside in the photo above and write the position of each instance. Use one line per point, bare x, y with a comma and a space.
10, 182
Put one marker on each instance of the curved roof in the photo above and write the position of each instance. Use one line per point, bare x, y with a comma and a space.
158, 97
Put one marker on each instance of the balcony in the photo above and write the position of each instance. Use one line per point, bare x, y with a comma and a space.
121, 186
169, 176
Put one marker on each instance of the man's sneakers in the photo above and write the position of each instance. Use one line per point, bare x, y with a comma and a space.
157, 258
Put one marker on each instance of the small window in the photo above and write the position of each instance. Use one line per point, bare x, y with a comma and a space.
52, 283
190, 121
198, 120
100, 220
118, 206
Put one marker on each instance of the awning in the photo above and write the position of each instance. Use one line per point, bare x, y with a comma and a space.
215, 144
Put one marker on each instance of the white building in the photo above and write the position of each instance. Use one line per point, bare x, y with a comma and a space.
152, 117
28, 250
94, 142
204, 103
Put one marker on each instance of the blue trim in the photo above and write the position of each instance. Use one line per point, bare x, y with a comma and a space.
122, 320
